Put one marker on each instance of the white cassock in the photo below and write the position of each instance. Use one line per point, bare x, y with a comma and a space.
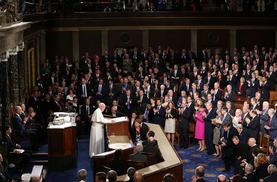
97, 139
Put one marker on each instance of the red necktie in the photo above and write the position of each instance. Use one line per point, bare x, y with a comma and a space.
240, 86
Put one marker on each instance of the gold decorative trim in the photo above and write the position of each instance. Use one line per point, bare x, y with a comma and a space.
184, 27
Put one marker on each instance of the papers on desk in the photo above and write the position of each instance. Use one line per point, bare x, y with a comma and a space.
67, 117
37, 171
117, 120
62, 126
121, 146
20, 151
105, 153
63, 120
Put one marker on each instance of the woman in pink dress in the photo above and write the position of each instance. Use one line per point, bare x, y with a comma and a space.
200, 127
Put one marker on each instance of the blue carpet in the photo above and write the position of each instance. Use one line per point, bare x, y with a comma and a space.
193, 158
83, 162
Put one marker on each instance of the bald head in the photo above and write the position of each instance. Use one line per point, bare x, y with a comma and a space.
252, 142
271, 169
18, 109
200, 171
221, 178
271, 112
248, 168
138, 177
265, 105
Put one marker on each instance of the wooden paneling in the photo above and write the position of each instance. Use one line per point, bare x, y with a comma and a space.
214, 39
59, 43
124, 39
176, 39
248, 38
90, 41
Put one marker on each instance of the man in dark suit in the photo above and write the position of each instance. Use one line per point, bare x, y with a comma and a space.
254, 104
249, 173
175, 75
15, 154
139, 131
33, 100
150, 147
127, 102
225, 116
185, 116
253, 125
241, 152
101, 91
83, 91
229, 94
86, 112
18, 124
113, 91
141, 101
217, 92
199, 174
272, 125
211, 114
265, 87
272, 171
162, 92
186, 86
55, 104
264, 118
242, 134
228, 145
159, 114
273, 152
210, 79
138, 156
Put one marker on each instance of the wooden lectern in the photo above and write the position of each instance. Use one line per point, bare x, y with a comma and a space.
62, 146
119, 138
172, 162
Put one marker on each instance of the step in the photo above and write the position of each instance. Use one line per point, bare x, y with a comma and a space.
41, 162
40, 154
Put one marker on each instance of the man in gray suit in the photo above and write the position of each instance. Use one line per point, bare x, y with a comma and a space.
226, 118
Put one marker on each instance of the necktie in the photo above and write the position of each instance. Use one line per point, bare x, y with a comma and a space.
227, 134
128, 103
240, 87
100, 88
84, 90
88, 110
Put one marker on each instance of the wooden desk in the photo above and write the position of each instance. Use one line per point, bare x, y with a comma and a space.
62, 146
172, 162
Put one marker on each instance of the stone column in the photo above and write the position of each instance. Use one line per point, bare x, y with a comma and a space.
104, 41
275, 38
5, 95
42, 46
13, 79
193, 40
233, 40
145, 39
76, 49
21, 76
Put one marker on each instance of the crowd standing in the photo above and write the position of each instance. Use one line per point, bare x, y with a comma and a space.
171, 88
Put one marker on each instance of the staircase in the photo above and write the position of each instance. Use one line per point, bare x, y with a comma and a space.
39, 158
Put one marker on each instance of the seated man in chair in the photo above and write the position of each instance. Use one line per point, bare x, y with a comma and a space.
150, 147
16, 155
138, 156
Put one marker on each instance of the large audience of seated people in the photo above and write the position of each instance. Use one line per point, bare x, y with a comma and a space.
174, 89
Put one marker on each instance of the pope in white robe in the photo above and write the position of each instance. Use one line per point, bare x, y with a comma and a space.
97, 139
